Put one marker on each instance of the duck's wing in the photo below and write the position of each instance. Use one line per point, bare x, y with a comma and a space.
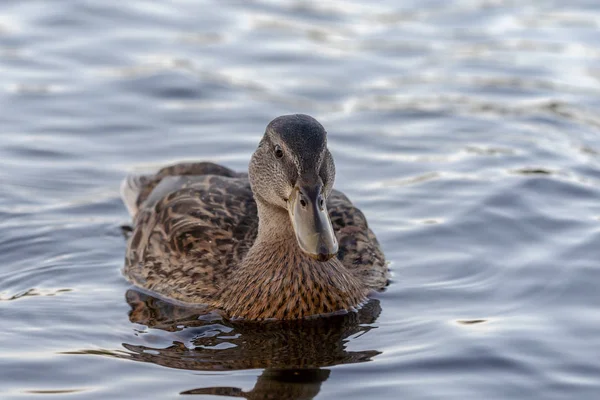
136, 188
190, 231
359, 250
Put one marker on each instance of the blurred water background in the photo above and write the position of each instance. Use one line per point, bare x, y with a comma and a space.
467, 131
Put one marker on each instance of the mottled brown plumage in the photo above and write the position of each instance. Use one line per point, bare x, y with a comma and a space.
204, 234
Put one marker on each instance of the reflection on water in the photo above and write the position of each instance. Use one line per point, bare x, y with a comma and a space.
291, 353
292, 384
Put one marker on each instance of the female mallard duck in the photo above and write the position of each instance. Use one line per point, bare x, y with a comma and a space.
277, 243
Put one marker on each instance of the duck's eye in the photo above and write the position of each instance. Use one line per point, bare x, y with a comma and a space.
278, 151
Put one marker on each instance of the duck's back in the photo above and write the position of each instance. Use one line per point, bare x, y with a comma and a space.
195, 222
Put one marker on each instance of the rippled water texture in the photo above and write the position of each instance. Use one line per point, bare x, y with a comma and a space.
467, 132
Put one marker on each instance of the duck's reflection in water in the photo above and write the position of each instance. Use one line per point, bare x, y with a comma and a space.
292, 354
277, 384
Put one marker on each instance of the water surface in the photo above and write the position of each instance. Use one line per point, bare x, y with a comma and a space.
467, 132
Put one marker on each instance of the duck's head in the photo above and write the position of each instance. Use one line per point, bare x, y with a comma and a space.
292, 169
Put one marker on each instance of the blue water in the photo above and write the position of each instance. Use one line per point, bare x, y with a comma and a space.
466, 131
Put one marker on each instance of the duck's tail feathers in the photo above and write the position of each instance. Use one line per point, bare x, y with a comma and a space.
131, 187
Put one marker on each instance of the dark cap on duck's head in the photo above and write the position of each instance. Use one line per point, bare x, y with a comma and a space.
293, 169
302, 136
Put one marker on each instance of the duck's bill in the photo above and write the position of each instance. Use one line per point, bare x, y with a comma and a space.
311, 223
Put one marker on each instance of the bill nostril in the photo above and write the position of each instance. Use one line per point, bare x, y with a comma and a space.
303, 202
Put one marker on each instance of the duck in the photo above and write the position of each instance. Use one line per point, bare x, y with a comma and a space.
275, 243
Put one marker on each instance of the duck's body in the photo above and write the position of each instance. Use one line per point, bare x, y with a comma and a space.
202, 236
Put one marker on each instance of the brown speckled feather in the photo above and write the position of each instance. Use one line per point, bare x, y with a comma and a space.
186, 243
359, 249
195, 223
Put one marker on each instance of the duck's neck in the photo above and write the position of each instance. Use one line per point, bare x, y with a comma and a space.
274, 225
278, 280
